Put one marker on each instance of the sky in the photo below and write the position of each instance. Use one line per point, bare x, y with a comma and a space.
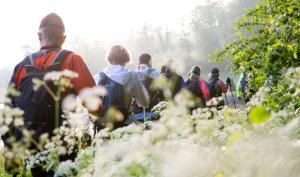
104, 20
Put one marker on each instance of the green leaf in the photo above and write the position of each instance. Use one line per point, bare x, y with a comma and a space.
295, 55
271, 19
259, 114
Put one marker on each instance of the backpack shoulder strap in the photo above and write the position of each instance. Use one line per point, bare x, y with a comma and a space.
60, 57
29, 63
103, 78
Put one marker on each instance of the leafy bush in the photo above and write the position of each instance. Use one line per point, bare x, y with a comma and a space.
268, 45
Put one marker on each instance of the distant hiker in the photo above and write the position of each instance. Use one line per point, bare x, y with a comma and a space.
216, 86
175, 79
198, 85
147, 74
122, 84
242, 87
38, 105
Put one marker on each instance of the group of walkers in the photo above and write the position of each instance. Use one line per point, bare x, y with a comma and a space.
128, 91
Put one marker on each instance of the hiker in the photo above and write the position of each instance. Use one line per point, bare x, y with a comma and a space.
198, 85
122, 85
176, 80
242, 87
216, 86
38, 106
146, 75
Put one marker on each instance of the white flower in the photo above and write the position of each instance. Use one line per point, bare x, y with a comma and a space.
92, 103
1, 144
18, 122
4, 129
91, 97
57, 75
53, 76
37, 83
70, 74
78, 119
69, 103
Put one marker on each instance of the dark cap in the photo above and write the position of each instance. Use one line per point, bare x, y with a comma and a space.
52, 20
215, 71
196, 70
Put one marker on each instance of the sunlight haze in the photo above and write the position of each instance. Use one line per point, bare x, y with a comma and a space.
104, 20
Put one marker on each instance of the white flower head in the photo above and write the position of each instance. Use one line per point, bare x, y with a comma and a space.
69, 103
57, 75
91, 97
37, 83
18, 122
53, 76
70, 74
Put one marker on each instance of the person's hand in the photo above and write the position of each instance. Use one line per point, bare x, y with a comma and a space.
228, 81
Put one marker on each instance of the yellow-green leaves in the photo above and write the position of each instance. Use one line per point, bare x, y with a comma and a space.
259, 114
233, 138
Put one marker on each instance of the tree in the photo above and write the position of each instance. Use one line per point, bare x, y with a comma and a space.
268, 42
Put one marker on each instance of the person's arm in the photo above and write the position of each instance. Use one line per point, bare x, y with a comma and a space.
75, 63
18, 73
222, 86
140, 92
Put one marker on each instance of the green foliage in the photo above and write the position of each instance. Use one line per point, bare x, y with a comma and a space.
285, 93
259, 114
268, 42
137, 170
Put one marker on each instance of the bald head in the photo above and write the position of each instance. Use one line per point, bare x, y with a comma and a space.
51, 31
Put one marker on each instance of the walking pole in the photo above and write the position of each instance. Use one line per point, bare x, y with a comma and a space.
230, 88
144, 111
226, 99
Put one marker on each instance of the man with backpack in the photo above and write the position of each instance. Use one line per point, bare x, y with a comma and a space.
146, 75
38, 106
216, 86
122, 86
177, 82
197, 85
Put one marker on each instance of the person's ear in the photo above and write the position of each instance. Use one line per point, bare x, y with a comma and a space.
150, 63
63, 39
40, 37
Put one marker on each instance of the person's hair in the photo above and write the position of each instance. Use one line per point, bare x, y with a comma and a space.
215, 73
118, 55
166, 71
196, 70
51, 35
144, 58
193, 76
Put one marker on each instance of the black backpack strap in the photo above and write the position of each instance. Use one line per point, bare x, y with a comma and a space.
103, 79
29, 60
60, 57
29, 63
